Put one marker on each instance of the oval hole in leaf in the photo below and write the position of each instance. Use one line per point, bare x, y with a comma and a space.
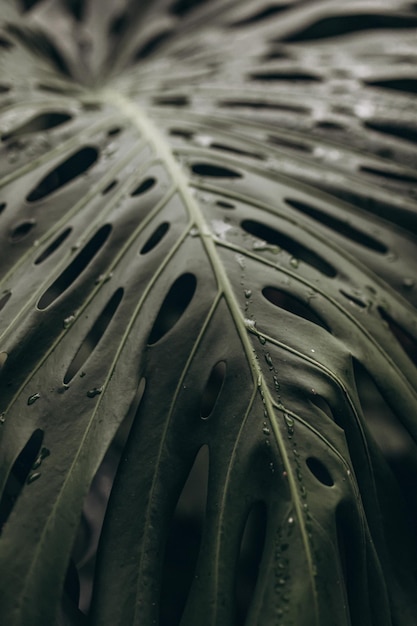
406, 341
5, 297
249, 559
263, 14
272, 236
344, 24
289, 143
225, 205
21, 231
94, 336
391, 436
64, 173
155, 238
45, 121
152, 45
341, 227
174, 101
183, 542
173, 307
262, 104
216, 171
289, 303
353, 299
212, 389
320, 471
145, 185
109, 187
53, 246
78, 265
284, 76
403, 178
19, 474
408, 85
234, 150
348, 548
181, 132
395, 129
116, 130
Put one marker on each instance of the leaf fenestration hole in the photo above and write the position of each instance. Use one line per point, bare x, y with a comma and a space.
53, 246
94, 336
184, 540
212, 389
172, 101
64, 173
345, 24
225, 205
262, 104
407, 85
21, 231
2, 206
152, 45
341, 227
78, 265
234, 150
249, 559
406, 341
272, 236
19, 474
402, 178
109, 187
263, 14
155, 238
289, 303
408, 133
4, 298
173, 307
45, 121
353, 299
144, 186
289, 143
215, 171
320, 471
285, 76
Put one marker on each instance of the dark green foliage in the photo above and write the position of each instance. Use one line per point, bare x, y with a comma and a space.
207, 307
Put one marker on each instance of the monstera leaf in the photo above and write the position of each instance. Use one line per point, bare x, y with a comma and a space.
208, 226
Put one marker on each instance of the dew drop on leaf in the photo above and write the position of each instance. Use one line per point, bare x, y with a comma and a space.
32, 399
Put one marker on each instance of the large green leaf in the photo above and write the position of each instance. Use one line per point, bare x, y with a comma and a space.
208, 250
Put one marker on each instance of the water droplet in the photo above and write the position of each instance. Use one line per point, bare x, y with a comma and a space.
32, 477
294, 262
266, 431
268, 360
241, 260
250, 325
32, 399
262, 339
312, 350
408, 283
276, 384
289, 420
285, 474
68, 321
281, 582
271, 467
82, 374
96, 391
194, 232
2, 418
291, 521
248, 293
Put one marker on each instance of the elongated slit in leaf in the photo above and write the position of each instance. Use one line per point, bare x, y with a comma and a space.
272, 236
320, 471
53, 246
155, 238
64, 173
293, 305
212, 389
45, 121
78, 265
406, 341
173, 307
215, 171
341, 227
94, 336
183, 542
249, 560
144, 186
21, 231
19, 474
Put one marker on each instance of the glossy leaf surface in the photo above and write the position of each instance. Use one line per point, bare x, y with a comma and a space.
208, 224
